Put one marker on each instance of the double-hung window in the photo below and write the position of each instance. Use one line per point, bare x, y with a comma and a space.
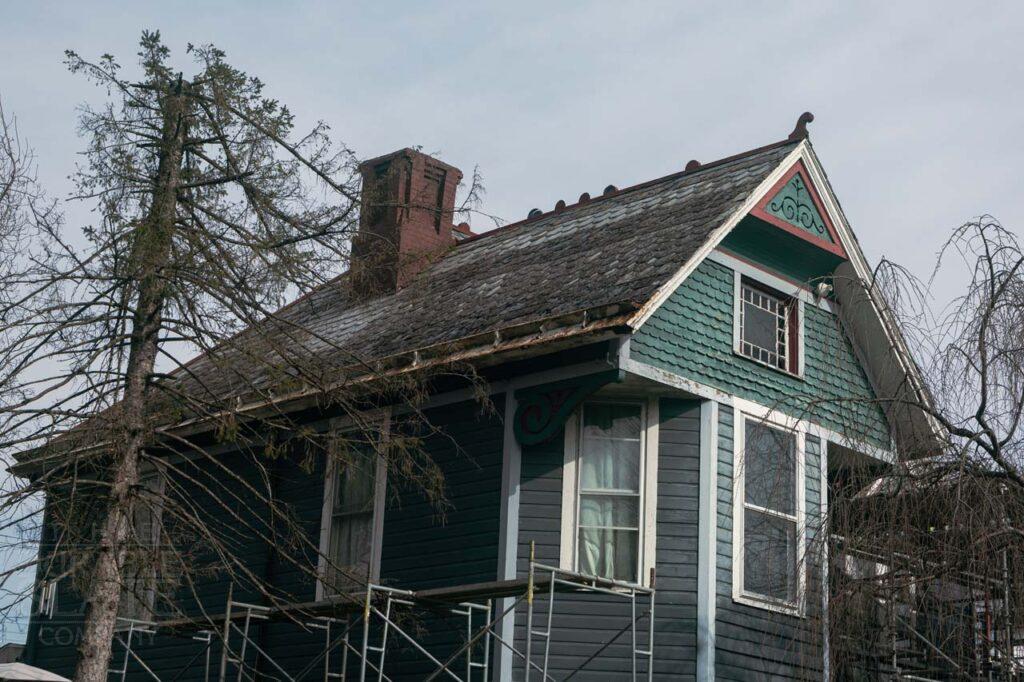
141, 568
768, 326
353, 508
768, 566
609, 466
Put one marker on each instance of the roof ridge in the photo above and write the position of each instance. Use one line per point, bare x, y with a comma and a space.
689, 170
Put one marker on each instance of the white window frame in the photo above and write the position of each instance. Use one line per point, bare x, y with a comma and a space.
47, 604
771, 284
773, 419
327, 513
647, 542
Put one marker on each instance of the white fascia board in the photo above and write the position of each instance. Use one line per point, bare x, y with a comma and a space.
860, 265
803, 153
716, 237
700, 390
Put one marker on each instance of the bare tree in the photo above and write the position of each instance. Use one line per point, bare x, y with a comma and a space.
211, 212
925, 575
22, 204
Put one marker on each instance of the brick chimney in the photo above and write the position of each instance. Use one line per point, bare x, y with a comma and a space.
408, 202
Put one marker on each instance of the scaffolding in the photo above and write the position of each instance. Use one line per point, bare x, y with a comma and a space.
359, 630
929, 622
125, 634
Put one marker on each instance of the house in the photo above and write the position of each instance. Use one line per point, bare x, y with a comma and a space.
676, 371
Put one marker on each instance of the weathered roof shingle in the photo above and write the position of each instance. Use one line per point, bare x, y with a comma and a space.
615, 249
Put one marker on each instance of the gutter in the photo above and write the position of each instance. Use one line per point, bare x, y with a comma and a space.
491, 347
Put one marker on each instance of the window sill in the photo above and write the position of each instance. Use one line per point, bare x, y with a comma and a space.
768, 605
759, 363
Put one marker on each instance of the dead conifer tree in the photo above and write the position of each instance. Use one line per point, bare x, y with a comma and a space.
212, 211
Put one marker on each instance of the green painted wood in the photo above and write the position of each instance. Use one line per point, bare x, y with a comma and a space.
583, 623
780, 252
542, 410
794, 205
691, 335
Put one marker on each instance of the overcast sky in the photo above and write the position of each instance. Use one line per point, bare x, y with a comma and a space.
919, 106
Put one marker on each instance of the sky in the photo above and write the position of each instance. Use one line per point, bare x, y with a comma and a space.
919, 106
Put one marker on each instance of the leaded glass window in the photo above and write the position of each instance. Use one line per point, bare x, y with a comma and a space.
764, 329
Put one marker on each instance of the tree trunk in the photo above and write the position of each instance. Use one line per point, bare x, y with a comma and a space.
152, 251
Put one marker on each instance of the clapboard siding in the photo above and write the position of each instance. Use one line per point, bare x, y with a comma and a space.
233, 517
675, 635
754, 643
425, 548
428, 547
691, 334
582, 624
421, 548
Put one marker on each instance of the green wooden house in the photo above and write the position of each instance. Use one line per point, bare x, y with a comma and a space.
677, 368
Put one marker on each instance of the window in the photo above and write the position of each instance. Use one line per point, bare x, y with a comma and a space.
610, 464
608, 520
767, 326
353, 509
769, 509
47, 604
139, 574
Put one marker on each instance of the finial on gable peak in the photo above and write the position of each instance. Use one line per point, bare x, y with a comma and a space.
800, 131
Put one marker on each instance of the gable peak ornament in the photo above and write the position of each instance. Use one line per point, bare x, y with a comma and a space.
800, 130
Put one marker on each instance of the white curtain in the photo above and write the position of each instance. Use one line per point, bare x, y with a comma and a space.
351, 538
609, 497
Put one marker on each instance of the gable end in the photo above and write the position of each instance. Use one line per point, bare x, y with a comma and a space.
793, 204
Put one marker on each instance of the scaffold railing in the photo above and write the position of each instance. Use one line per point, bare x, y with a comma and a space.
127, 629
361, 629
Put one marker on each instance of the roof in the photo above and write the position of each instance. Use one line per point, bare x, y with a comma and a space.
21, 671
607, 255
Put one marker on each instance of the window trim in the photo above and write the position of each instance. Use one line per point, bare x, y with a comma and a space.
149, 471
327, 508
798, 428
569, 535
46, 605
750, 277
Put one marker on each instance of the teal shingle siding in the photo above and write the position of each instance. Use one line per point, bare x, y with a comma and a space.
691, 335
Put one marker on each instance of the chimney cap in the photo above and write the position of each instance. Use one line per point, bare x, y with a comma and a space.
409, 153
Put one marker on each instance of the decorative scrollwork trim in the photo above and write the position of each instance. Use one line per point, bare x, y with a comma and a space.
794, 205
542, 410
